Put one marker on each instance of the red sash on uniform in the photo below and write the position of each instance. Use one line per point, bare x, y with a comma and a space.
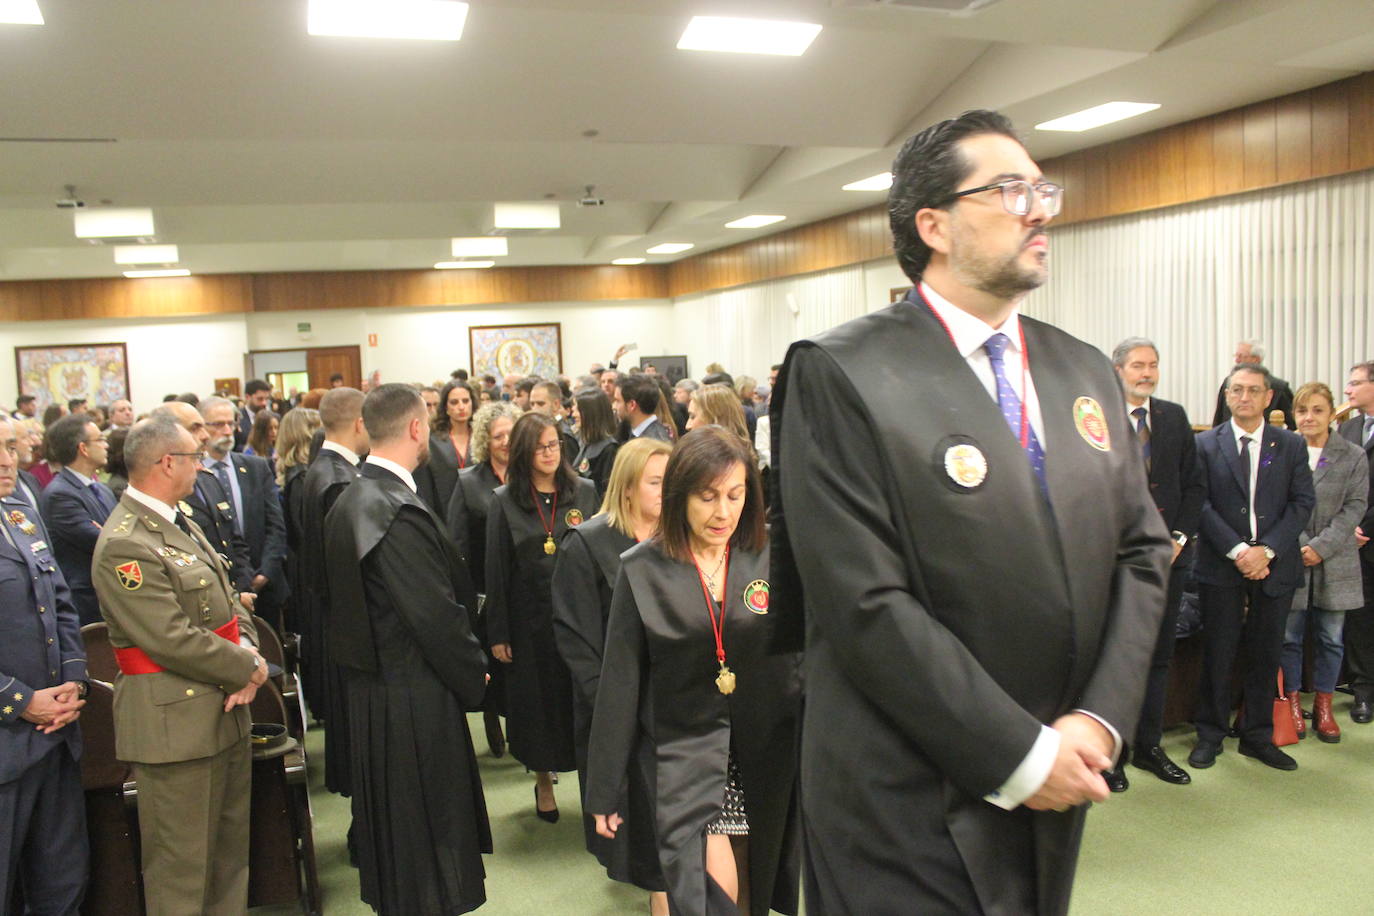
134, 660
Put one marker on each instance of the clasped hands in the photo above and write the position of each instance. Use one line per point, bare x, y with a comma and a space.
1253, 563
52, 708
1085, 749
245, 695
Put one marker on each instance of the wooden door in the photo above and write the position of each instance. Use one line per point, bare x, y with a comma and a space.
322, 362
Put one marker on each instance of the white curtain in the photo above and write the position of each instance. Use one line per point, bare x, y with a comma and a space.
1291, 266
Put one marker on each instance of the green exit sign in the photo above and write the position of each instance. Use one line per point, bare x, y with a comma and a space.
302, 327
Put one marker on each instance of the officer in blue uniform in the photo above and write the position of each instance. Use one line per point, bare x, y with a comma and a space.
42, 687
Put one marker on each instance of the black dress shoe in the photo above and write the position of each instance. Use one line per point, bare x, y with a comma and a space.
1116, 779
1204, 755
1268, 755
1156, 761
1361, 711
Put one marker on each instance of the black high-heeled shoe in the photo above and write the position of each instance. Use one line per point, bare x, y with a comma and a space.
549, 816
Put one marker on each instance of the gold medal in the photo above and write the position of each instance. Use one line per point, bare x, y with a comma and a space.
549, 546
725, 680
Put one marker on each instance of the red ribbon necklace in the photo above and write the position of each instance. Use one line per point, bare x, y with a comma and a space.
725, 678
549, 545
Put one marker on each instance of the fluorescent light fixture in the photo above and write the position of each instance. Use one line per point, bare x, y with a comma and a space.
485, 246
145, 254
753, 222
432, 20
875, 183
463, 265
150, 274
628, 262
20, 12
670, 248
112, 222
1097, 116
527, 216
748, 36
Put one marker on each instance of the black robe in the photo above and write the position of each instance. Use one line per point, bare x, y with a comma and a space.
401, 629
519, 611
583, 579
595, 462
327, 477
658, 684
293, 507
467, 526
436, 478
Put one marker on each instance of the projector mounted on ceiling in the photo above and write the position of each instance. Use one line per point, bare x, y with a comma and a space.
948, 7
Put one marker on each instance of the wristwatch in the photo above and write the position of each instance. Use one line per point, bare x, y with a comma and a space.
1268, 551
1180, 538
82, 689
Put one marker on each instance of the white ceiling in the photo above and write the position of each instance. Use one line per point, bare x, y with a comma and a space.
261, 148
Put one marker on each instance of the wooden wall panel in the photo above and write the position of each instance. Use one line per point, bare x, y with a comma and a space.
1293, 138
1362, 122
1228, 152
106, 297
1259, 130
1330, 129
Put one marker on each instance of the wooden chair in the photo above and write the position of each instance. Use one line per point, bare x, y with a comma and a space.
281, 864
100, 658
116, 886
287, 682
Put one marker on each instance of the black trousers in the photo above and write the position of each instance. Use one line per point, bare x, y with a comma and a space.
1150, 730
43, 837
1359, 638
1255, 639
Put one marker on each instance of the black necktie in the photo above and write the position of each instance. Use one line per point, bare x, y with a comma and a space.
184, 526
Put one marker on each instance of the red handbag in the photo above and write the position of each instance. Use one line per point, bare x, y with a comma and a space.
1285, 730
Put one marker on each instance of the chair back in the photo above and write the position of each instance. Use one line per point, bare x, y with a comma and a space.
100, 657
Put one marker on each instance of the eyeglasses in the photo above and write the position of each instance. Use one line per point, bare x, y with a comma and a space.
1238, 391
199, 456
98, 439
220, 424
1019, 196
550, 448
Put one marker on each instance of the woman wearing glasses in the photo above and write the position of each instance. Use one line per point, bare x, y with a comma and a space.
583, 578
529, 517
688, 668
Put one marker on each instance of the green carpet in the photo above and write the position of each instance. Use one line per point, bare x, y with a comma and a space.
1242, 839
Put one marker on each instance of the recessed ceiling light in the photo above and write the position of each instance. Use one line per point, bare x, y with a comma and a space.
670, 248
748, 36
149, 274
432, 20
1097, 116
628, 262
20, 12
112, 222
875, 183
463, 265
527, 216
483, 246
754, 222
145, 254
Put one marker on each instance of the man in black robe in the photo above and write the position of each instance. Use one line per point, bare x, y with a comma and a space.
401, 627
981, 565
335, 467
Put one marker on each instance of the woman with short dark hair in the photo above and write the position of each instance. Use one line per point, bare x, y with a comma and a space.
530, 515
688, 667
596, 427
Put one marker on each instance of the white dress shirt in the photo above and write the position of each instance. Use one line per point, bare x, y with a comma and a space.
1256, 443
406, 477
348, 453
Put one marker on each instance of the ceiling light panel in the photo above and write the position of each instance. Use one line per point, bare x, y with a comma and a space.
875, 183
426, 20
756, 221
20, 12
464, 265
483, 246
112, 222
670, 248
151, 274
628, 262
527, 216
145, 254
748, 36
1097, 116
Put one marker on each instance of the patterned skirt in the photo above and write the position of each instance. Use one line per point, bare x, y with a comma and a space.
734, 819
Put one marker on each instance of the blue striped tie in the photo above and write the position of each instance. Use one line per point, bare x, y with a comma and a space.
1011, 406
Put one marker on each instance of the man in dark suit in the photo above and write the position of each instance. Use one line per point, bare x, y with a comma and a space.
256, 499
1259, 495
1359, 624
1251, 353
1170, 454
256, 394
981, 566
75, 505
635, 404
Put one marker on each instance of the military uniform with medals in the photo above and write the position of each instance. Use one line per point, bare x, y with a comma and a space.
42, 807
176, 626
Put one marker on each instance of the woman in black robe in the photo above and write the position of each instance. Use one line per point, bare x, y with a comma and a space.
596, 429
450, 446
583, 578
687, 667
293, 457
541, 501
467, 526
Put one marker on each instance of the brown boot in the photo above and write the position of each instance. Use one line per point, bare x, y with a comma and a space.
1323, 721
1295, 707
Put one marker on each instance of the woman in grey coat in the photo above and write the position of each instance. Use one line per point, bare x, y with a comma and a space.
1341, 476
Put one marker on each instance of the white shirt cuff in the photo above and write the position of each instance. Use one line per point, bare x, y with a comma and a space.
1236, 551
1116, 736
1030, 775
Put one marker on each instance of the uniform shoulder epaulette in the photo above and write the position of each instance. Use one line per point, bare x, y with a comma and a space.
125, 526
204, 470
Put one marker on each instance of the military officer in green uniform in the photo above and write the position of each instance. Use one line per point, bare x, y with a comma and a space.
185, 648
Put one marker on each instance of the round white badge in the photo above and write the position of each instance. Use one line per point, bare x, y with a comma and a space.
966, 465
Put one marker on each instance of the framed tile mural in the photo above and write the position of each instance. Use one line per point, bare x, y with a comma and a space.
97, 372
516, 349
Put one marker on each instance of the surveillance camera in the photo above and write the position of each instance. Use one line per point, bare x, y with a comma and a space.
70, 203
